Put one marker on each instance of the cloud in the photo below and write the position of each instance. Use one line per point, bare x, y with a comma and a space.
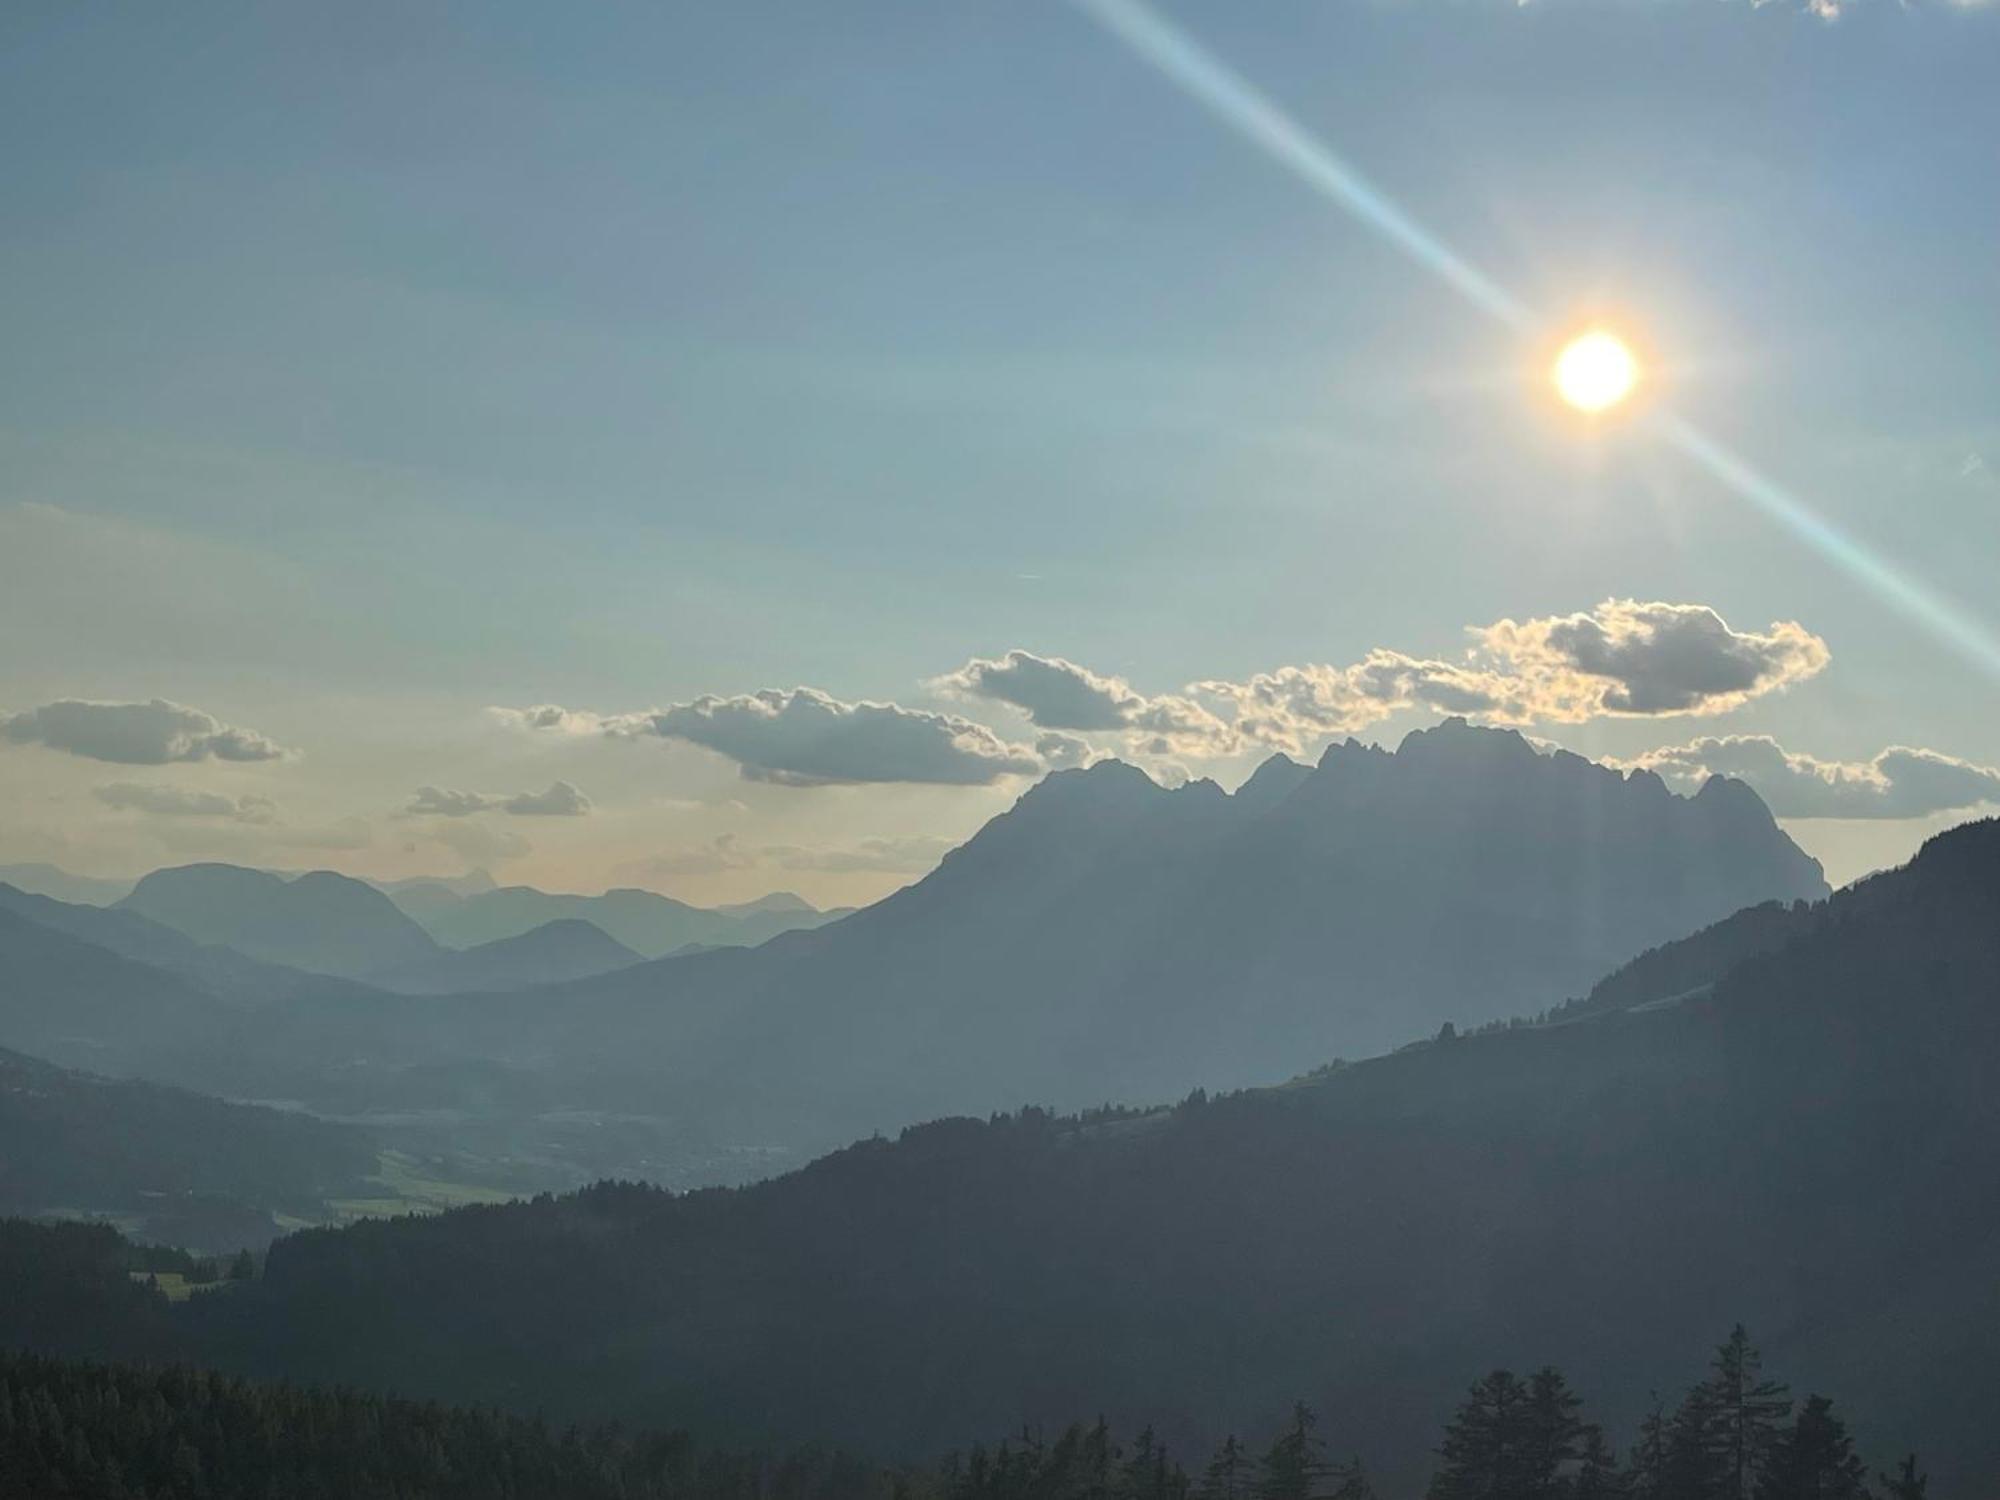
561, 800
1288, 708
1900, 782
902, 856
1060, 752
1053, 693
153, 733
547, 716
1641, 660
176, 802
721, 853
1624, 658
804, 737
1056, 695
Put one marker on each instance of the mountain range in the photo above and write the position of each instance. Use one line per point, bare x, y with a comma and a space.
1111, 939
1787, 1119
1107, 938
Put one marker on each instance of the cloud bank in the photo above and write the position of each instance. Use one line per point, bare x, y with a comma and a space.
177, 802
804, 737
1899, 782
154, 733
561, 800
1625, 658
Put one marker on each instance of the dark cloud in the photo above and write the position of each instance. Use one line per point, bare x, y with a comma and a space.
154, 733
1645, 659
806, 738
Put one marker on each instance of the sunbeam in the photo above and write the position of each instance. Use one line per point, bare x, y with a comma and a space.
1247, 110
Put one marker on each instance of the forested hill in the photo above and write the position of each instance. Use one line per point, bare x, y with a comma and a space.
181, 1167
1814, 1138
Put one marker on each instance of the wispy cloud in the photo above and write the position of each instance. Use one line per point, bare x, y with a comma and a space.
179, 802
561, 800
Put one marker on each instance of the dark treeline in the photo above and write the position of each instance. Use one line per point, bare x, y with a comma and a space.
125, 1432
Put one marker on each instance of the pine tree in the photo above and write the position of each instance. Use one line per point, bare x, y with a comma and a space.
1551, 1435
1814, 1459
1481, 1454
1747, 1412
1691, 1462
1647, 1475
1597, 1473
1906, 1483
1294, 1466
1227, 1476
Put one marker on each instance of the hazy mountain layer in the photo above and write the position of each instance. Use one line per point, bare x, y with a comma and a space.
567, 948
320, 922
1810, 1142
1108, 939
648, 923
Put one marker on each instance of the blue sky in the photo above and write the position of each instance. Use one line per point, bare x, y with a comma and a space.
370, 367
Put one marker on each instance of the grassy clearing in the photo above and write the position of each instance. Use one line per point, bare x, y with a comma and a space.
407, 1190
176, 1286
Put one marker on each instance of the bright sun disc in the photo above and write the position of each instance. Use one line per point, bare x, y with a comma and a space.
1595, 371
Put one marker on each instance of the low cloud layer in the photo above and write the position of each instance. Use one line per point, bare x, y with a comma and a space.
561, 800
154, 733
804, 737
1625, 658
178, 802
1900, 782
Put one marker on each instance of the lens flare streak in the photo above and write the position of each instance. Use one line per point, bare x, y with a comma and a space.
1245, 109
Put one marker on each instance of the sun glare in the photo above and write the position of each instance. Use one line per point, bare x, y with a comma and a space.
1595, 371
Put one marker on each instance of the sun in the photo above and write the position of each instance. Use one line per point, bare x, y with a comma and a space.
1595, 371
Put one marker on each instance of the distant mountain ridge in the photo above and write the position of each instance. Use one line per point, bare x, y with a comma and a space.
1108, 938
567, 948
321, 922
648, 923
1808, 1143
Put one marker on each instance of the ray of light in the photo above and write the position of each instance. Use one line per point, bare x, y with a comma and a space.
1966, 635
1248, 111
1252, 114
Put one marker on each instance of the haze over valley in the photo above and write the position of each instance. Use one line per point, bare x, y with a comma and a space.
1106, 750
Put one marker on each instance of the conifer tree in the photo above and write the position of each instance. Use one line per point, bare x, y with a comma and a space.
1813, 1459
1747, 1411
1228, 1475
1906, 1483
1294, 1467
1480, 1457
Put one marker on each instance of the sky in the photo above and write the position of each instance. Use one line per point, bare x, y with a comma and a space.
727, 448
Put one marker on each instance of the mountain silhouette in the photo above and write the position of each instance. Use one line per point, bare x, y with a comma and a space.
1109, 939
320, 922
1808, 1138
648, 923
170, 1162
567, 948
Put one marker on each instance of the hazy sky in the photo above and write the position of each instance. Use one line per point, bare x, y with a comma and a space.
371, 370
